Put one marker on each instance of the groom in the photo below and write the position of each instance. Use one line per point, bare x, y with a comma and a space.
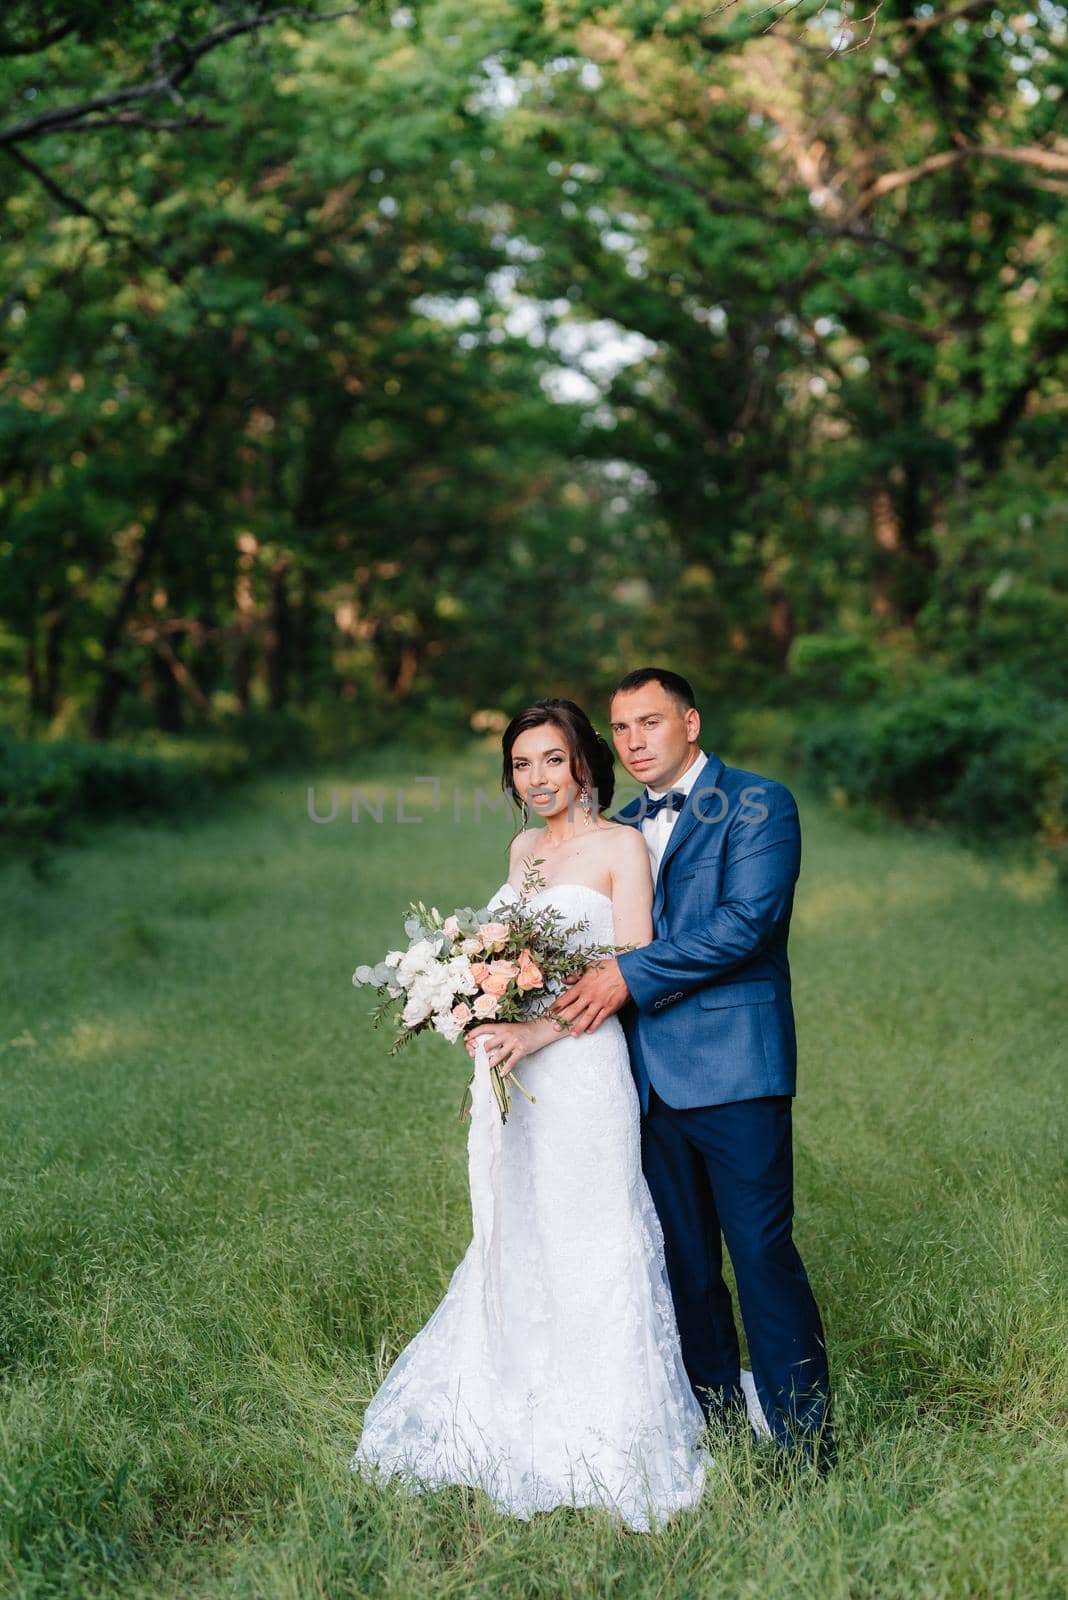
707, 1012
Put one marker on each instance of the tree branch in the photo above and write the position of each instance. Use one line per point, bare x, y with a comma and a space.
32, 47
135, 119
1025, 155
918, 26
79, 116
893, 319
70, 202
1048, 345
63, 197
148, 634
781, 10
771, 213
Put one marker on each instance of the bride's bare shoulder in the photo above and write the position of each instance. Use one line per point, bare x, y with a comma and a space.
622, 843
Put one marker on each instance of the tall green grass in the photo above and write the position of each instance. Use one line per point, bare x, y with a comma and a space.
225, 1210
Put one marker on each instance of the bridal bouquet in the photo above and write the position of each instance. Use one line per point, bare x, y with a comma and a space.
476, 966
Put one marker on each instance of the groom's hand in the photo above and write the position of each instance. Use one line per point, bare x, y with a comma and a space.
592, 996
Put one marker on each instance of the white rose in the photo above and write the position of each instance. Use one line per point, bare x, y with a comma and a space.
421, 989
451, 926
443, 995
445, 1023
421, 955
393, 958
471, 947
415, 1011
433, 989
460, 976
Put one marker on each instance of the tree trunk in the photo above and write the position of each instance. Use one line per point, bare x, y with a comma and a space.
33, 674
112, 681
168, 699
304, 638
243, 674
171, 497
407, 668
245, 608
886, 537
205, 661
55, 628
279, 635
780, 625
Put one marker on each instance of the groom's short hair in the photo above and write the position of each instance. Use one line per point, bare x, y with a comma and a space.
672, 682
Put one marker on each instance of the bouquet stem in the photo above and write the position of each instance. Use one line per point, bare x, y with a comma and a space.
499, 1082
513, 1079
500, 1093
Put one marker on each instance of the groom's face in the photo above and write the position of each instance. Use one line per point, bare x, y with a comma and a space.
654, 738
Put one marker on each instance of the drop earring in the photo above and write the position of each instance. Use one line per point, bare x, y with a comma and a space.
584, 802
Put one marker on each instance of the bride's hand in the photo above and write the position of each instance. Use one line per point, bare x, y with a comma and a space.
506, 1042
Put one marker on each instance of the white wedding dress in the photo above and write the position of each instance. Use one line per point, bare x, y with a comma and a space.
551, 1374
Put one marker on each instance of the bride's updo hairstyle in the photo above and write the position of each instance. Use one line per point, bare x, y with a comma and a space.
591, 757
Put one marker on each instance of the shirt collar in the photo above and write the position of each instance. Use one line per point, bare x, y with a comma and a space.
687, 781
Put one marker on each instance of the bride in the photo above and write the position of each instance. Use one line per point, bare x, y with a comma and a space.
551, 1372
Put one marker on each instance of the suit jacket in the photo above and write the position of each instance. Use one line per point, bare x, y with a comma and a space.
711, 1017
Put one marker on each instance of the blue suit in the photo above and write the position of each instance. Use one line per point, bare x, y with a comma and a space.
710, 1029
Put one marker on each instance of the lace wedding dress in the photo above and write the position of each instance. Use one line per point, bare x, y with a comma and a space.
551, 1374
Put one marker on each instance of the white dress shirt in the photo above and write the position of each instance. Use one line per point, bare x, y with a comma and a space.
656, 831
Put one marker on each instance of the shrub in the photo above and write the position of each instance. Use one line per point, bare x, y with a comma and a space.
835, 667
991, 761
48, 787
764, 735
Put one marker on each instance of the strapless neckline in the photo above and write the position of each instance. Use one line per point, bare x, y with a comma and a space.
550, 887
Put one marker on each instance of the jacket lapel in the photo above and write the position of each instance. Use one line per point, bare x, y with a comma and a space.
687, 820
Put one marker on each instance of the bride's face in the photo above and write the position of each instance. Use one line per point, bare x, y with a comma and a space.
541, 770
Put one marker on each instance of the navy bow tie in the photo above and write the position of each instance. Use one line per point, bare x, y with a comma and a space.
676, 799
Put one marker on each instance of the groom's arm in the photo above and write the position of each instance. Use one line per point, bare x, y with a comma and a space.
763, 862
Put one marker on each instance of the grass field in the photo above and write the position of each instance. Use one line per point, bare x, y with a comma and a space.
225, 1210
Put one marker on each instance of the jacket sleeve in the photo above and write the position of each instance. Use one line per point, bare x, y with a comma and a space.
763, 862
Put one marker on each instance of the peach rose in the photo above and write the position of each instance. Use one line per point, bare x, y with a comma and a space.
451, 926
462, 1013
493, 935
479, 971
500, 976
530, 974
485, 1007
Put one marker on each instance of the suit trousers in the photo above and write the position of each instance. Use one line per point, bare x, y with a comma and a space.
725, 1173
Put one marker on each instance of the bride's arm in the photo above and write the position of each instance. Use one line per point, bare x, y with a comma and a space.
519, 1039
632, 889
